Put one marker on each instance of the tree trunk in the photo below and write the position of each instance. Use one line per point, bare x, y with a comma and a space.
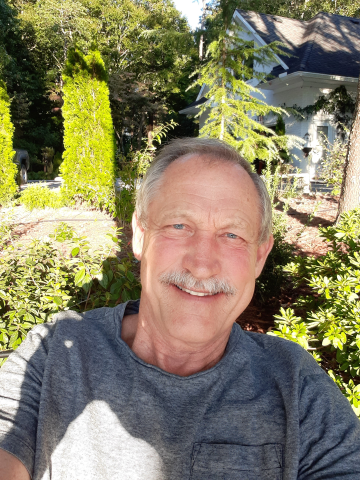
202, 26
350, 189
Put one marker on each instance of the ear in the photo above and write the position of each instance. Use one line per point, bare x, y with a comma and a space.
262, 253
138, 237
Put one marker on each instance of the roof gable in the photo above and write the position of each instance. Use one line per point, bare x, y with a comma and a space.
327, 44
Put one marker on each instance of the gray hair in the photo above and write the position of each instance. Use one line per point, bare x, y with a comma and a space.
213, 150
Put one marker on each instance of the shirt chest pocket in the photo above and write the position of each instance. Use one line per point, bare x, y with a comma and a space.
218, 461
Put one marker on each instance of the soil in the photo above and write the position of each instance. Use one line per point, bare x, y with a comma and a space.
304, 217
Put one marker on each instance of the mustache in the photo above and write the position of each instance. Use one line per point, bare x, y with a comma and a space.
187, 280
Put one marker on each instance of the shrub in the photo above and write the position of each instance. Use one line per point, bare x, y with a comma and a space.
38, 282
41, 175
273, 277
88, 168
8, 169
327, 322
332, 165
39, 196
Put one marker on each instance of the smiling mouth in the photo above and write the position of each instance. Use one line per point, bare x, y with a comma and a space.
196, 294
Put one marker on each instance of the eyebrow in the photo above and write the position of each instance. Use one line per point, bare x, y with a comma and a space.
227, 224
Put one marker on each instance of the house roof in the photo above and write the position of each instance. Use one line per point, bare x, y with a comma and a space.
327, 44
197, 103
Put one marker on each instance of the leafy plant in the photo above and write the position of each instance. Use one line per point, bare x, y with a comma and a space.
6, 230
88, 168
332, 165
39, 281
8, 168
232, 105
131, 170
39, 196
327, 322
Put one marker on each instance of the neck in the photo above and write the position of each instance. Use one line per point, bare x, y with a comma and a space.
168, 353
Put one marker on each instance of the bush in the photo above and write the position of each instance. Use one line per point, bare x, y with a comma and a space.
39, 196
41, 175
273, 277
8, 169
332, 166
88, 168
327, 322
38, 282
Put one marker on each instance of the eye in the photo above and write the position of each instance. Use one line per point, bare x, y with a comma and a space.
231, 235
179, 226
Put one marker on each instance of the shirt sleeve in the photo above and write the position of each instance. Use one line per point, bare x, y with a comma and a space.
20, 391
329, 432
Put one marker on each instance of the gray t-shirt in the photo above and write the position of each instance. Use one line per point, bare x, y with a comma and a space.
77, 403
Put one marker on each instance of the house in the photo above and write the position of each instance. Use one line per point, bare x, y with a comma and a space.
325, 53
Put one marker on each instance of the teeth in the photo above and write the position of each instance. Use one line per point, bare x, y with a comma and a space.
197, 294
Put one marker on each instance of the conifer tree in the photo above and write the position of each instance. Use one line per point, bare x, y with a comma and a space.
88, 168
232, 105
8, 168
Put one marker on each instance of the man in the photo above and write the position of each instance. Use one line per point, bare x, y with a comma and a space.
172, 388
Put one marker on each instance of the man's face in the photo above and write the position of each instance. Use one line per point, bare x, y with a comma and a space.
203, 221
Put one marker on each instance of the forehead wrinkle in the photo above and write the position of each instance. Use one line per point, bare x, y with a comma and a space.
230, 222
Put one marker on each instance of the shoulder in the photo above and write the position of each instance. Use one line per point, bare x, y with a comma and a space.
282, 356
69, 326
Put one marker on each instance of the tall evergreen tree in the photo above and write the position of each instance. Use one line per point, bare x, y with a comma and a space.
88, 168
232, 106
7, 167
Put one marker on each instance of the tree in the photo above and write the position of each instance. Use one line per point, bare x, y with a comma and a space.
301, 9
232, 106
88, 168
148, 40
25, 81
8, 169
350, 189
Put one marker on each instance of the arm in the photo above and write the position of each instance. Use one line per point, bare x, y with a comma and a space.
11, 468
20, 391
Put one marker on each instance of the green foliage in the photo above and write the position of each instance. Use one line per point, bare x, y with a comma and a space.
39, 196
301, 9
42, 175
88, 168
280, 126
328, 319
232, 103
8, 169
132, 168
37, 282
273, 277
6, 231
43, 32
333, 164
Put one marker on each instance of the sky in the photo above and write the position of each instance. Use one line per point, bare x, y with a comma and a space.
191, 9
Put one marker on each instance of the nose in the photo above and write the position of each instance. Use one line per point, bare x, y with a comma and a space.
202, 257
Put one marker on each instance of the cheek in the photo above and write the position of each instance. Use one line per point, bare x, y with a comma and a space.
163, 254
239, 266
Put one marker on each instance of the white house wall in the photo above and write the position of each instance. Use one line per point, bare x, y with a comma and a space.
303, 92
